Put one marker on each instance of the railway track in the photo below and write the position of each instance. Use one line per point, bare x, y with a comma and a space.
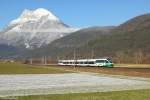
139, 72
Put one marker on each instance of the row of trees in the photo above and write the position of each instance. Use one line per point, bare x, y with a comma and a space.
137, 57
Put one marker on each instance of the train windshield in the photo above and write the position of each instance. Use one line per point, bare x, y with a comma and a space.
110, 61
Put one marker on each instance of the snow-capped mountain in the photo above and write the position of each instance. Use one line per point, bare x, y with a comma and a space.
33, 29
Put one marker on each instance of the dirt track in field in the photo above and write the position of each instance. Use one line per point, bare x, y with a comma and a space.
139, 72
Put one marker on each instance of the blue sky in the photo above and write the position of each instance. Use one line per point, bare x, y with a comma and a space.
78, 13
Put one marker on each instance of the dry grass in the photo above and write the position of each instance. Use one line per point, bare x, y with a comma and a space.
119, 95
16, 68
133, 65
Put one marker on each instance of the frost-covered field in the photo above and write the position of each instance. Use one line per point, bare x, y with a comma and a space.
34, 84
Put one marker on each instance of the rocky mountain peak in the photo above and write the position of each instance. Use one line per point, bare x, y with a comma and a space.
34, 28
34, 15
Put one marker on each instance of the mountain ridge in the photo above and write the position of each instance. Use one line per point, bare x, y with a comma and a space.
120, 41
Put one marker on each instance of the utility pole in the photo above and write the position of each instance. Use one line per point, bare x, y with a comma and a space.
31, 61
92, 54
57, 59
45, 60
74, 57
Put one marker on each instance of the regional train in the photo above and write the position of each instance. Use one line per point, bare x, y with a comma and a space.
103, 62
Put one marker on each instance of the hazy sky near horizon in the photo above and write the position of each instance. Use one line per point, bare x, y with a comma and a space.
78, 13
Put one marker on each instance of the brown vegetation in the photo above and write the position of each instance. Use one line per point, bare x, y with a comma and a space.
140, 72
138, 57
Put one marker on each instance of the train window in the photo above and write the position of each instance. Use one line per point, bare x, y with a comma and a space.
86, 62
81, 62
100, 61
66, 62
91, 62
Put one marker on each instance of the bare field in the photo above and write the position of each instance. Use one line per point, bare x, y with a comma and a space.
37, 84
133, 65
17, 68
127, 71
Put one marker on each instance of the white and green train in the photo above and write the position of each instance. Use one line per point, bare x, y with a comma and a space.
104, 62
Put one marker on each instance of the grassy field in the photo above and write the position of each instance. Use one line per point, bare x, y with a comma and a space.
133, 65
16, 68
119, 95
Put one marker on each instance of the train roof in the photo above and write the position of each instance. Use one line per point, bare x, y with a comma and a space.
85, 59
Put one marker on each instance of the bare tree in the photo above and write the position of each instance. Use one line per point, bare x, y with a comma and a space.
119, 57
138, 57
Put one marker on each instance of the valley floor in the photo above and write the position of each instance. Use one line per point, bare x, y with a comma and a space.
21, 82
18, 68
136, 70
